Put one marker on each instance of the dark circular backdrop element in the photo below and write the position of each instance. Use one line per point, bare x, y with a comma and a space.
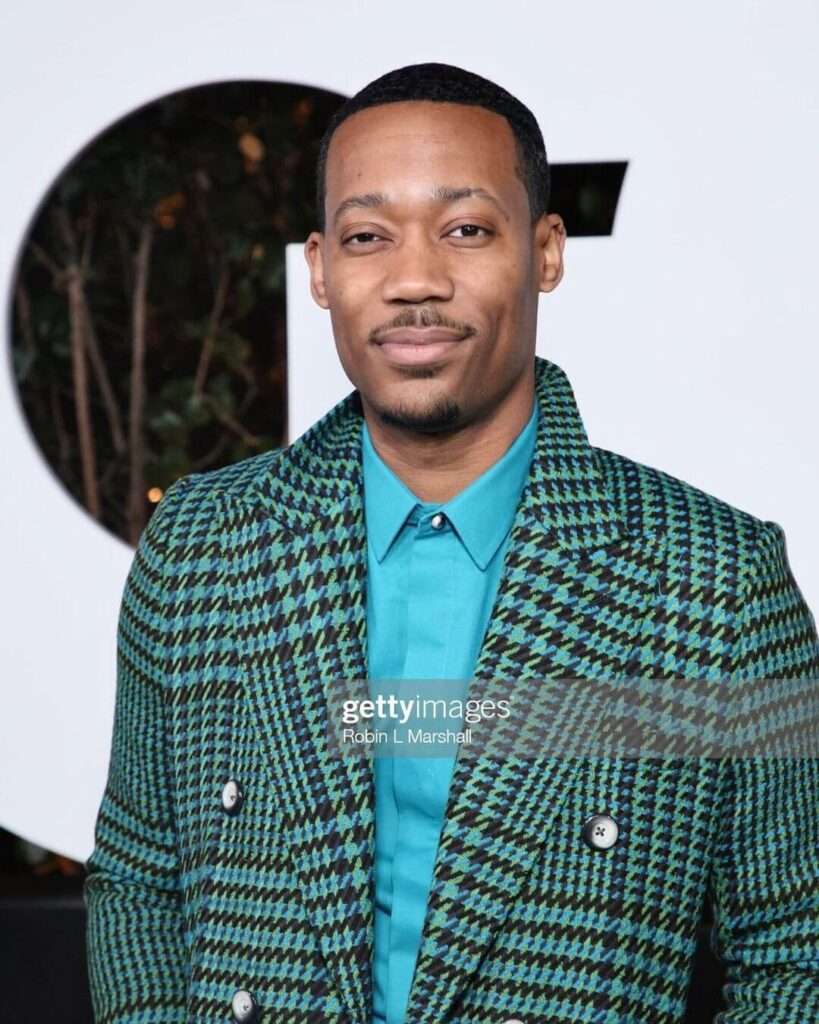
148, 307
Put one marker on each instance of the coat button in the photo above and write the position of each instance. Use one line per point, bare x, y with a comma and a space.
244, 1007
232, 797
600, 832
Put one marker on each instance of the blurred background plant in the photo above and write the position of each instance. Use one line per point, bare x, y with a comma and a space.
148, 314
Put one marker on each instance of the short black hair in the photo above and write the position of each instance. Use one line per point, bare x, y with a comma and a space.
445, 83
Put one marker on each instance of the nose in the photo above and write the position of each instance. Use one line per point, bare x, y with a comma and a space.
417, 272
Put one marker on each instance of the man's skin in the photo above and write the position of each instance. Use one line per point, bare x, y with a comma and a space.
411, 262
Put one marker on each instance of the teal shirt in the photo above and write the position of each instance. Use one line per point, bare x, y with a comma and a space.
430, 594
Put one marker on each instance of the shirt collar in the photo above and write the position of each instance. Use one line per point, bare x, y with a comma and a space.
388, 501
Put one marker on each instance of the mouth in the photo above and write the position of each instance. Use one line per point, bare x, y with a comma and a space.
414, 346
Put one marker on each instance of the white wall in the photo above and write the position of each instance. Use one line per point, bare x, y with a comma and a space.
690, 335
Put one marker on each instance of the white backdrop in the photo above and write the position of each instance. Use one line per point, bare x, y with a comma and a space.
690, 335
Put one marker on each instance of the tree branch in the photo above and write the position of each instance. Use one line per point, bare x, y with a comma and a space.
139, 318
82, 407
213, 325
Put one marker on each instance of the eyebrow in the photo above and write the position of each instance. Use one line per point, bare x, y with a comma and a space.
441, 194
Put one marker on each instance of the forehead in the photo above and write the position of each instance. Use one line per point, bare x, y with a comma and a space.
391, 147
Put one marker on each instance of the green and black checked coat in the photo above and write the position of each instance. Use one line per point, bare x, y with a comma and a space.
248, 590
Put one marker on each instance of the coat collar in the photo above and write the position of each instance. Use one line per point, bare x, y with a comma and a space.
565, 493
574, 598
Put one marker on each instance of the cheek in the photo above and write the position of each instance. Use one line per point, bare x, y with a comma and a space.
353, 312
497, 289
342, 311
351, 294
505, 270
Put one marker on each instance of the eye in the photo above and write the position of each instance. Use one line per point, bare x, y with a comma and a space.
471, 231
366, 236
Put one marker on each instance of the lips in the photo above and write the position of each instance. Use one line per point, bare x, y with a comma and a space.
419, 336
414, 346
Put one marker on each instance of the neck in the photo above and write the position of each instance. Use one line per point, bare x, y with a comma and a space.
436, 467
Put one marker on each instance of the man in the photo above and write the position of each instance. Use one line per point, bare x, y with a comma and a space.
447, 520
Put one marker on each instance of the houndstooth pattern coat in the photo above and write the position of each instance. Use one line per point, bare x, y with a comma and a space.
247, 590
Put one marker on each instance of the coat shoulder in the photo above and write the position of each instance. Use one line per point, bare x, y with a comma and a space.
703, 533
197, 507
203, 493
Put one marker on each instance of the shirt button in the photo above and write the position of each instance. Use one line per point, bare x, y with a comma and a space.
437, 521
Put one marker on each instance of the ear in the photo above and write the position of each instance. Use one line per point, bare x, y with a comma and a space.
550, 238
314, 254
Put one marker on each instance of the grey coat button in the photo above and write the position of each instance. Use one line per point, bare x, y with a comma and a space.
600, 832
232, 797
244, 1007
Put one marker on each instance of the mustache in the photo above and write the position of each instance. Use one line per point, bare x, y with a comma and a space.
424, 317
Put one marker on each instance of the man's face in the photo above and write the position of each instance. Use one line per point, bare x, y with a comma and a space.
429, 263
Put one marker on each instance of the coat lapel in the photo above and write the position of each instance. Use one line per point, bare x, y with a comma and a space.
565, 609
573, 600
299, 604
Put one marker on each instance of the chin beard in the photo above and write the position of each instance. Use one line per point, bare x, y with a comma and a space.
442, 414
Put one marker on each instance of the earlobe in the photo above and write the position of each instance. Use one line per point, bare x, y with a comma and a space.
315, 261
552, 276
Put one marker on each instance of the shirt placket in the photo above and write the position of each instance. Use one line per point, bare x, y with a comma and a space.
420, 783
